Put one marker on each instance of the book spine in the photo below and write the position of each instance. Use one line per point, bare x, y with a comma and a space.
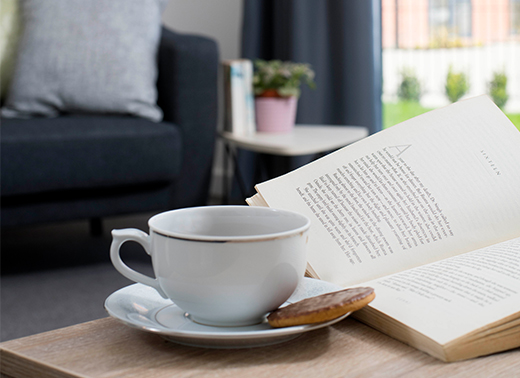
238, 98
239, 109
250, 119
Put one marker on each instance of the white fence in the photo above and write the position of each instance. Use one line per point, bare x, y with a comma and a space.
431, 68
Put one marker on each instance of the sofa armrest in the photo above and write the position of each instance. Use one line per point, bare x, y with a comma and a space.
187, 94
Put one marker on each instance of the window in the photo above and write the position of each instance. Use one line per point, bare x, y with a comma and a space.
477, 38
514, 11
450, 18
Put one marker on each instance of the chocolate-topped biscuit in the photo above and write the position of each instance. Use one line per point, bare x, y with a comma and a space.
322, 308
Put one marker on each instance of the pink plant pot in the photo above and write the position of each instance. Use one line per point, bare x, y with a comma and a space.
275, 114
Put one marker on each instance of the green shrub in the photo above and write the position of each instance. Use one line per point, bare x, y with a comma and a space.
498, 89
410, 87
457, 85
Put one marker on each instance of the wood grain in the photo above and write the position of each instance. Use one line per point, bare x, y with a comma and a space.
107, 348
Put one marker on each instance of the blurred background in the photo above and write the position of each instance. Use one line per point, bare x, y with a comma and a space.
432, 52
378, 63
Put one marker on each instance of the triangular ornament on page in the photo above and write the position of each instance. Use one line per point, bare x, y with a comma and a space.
398, 150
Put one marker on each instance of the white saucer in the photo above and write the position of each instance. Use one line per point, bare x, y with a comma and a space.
141, 307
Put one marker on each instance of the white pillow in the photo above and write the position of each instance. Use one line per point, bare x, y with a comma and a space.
79, 56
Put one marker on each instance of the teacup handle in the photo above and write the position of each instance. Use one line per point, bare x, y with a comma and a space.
132, 234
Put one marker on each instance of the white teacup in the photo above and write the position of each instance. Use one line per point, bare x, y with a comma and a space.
223, 265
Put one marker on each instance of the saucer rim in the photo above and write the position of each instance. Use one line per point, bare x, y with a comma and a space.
161, 330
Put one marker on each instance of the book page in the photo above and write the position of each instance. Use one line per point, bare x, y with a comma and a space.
437, 185
450, 298
256, 200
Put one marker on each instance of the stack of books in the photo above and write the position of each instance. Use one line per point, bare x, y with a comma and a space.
239, 111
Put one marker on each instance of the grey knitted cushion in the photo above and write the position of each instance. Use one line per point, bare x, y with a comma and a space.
87, 56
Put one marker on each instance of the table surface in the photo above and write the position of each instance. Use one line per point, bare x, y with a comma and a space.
107, 348
303, 140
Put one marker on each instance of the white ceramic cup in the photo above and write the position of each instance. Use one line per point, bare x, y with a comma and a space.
223, 265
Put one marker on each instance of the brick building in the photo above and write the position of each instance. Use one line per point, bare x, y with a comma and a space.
449, 23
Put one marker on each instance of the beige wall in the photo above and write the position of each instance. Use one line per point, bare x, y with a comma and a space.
219, 19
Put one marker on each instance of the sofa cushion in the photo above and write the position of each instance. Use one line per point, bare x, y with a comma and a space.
84, 152
96, 56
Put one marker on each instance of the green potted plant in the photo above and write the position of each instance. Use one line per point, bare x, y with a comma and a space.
276, 86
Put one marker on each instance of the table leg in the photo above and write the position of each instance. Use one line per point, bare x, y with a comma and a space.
232, 154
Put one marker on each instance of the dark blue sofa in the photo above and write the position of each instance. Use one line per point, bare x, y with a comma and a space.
93, 166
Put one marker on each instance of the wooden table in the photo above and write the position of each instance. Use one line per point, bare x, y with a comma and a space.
107, 348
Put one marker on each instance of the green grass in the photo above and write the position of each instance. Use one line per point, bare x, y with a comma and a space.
394, 113
515, 118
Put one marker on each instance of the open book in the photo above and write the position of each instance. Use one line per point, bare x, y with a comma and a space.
427, 213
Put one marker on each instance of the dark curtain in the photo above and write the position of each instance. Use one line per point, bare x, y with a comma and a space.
341, 39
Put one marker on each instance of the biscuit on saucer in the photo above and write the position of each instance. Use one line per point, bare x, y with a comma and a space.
321, 308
